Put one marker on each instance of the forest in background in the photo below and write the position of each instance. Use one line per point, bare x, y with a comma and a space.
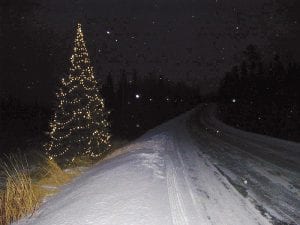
262, 96
135, 104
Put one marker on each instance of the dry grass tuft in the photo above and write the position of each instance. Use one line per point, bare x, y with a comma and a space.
24, 189
18, 198
52, 175
83, 161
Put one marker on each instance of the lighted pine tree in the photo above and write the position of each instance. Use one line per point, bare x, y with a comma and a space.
79, 126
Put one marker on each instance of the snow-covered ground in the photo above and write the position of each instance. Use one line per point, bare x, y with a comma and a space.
192, 170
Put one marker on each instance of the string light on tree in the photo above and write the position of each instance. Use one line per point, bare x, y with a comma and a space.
79, 126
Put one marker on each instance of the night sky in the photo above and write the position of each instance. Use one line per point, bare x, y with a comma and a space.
184, 40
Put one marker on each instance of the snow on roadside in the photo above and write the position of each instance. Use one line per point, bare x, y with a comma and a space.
130, 189
160, 179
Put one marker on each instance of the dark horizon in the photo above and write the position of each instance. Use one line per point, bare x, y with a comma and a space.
195, 43
190, 46
190, 115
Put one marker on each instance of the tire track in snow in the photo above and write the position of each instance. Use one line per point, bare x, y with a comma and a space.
185, 209
189, 187
179, 216
258, 173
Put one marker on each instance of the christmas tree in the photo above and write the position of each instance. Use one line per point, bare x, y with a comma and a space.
80, 126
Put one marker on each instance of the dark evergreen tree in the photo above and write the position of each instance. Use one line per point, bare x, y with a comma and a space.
108, 92
123, 91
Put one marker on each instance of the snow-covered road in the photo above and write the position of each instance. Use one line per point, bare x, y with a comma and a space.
265, 170
192, 170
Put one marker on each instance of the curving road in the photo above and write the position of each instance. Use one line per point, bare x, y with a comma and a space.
192, 170
263, 169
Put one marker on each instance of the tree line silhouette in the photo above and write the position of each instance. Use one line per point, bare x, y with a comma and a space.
136, 104
262, 96
140, 103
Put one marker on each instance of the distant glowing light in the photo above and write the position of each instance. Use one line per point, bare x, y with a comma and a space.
233, 100
108, 32
137, 96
